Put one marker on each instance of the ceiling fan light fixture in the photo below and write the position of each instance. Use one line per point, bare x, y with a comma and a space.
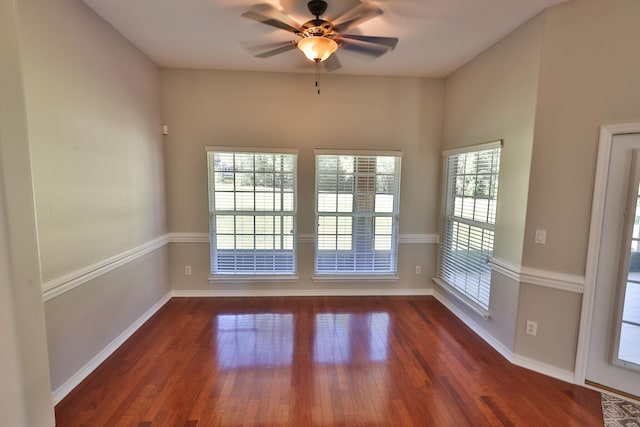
317, 48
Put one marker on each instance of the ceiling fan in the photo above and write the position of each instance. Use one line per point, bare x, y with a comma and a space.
319, 38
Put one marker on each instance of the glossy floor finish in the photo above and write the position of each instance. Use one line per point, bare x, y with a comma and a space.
317, 361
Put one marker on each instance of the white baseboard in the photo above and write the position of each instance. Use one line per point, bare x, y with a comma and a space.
543, 368
78, 377
299, 292
516, 359
481, 332
534, 365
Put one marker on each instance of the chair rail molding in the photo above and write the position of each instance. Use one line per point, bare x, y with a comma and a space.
59, 285
538, 277
303, 238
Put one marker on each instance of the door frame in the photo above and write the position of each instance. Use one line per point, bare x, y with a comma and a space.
607, 133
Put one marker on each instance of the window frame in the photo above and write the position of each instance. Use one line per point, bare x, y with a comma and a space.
217, 274
449, 220
337, 274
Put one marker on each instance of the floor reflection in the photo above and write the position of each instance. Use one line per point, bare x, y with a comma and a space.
268, 339
341, 337
245, 340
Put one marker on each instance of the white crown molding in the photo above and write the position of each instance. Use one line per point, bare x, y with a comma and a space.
299, 292
90, 366
303, 238
59, 285
533, 276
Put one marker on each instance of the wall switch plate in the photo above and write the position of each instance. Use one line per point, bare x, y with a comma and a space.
531, 328
541, 237
418, 269
187, 270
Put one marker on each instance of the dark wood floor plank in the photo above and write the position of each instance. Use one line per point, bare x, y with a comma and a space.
317, 361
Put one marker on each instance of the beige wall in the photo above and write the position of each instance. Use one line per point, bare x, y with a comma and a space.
494, 97
545, 89
85, 320
26, 390
91, 136
94, 126
93, 117
282, 110
589, 77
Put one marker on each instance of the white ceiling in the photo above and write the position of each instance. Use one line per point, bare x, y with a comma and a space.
436, 36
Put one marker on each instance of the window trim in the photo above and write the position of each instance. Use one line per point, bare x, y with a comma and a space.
341, 276
252, 276
447, 186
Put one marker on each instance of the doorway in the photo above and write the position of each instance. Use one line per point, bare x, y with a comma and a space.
611, 300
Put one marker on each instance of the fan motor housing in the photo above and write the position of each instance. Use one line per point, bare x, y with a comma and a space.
317, 7
317, 27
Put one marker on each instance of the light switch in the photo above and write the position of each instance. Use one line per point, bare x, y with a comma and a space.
541, 237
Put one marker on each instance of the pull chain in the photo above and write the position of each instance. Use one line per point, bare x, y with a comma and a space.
317, 76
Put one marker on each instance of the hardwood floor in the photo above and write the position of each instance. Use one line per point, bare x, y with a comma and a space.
317, 361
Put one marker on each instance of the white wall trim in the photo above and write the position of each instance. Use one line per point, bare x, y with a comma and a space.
59, 285
534, 276
467, 320
607, 133
551, 279
305, 238
544, 368
299, 292
188, 237
463, 299
419, 239
506, 268
516, 359
78, 377
199, 237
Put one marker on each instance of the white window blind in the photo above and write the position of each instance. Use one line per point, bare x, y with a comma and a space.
252, 212
470, 193
357, 204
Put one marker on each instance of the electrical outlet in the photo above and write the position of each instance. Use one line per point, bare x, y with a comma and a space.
187, 270
418, 269
531, 328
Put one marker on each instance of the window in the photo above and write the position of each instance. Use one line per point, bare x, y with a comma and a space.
357, 204
252, 211
470, 192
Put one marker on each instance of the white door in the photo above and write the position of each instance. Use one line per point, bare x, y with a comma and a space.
614, 346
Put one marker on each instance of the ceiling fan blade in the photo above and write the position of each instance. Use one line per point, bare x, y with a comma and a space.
332, 63
366, 49
284, 47
269, 15
356, 16
389, 42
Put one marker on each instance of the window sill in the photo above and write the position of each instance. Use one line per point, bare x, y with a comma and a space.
250, 278
481, 311
355, 278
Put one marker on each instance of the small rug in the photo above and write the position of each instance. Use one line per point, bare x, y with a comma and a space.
619, 412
